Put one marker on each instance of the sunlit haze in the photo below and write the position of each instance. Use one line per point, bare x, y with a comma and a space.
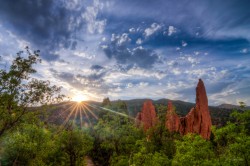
79, 98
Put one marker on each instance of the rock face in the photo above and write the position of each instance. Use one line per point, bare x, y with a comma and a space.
198, 120
204, 123
147, 116
172, 119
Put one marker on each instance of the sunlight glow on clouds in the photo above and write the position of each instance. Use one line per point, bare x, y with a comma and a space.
134, 48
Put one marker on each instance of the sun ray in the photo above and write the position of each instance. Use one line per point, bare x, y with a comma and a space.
68, 117
80, 112
60, 115
76, 112
112, 111
80, 108
86, 114
94, 115
88, 118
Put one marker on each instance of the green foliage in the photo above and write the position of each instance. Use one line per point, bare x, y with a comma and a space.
163, 140
36, 145
161, 113
116, 136
146, 156
233, 141
106, 102
72, 147
28, 145
242, 104
242, 119
121, 106
18, 91
193, 150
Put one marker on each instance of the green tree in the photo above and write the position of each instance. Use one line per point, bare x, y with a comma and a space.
106, 102
121, 107
115, 137
146, 156
193, 150
73, 146
18, 91
28, 145
233, 141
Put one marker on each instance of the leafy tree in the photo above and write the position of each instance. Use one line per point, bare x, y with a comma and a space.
73, 146
28, 145
162, 139
146, 156
106, 102
242, 104
18, 91
161, 113
193, 150
115, 139
233, 141
121, 107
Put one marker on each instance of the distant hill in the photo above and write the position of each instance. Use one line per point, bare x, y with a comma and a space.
219, 115
230, 106
58, 113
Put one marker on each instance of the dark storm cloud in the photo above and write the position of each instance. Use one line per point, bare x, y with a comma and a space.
46, 23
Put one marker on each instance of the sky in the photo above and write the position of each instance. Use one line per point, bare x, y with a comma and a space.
127, 49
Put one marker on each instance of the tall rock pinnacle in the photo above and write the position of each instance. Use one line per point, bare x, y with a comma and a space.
198, 120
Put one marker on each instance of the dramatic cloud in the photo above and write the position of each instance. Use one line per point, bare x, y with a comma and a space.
134, 48
119, 49
94, 25
50, 24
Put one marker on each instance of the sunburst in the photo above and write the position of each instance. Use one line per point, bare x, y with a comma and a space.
79, 98
80, 113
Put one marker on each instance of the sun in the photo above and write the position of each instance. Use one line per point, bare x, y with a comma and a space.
79, 98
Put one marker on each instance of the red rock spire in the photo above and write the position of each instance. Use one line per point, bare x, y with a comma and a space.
198, 120
202, 108
147, 116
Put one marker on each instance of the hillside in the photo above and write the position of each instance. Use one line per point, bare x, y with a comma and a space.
68, 111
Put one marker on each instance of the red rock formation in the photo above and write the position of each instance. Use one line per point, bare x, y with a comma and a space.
147, 116
198, 120
204, 128
172, 119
